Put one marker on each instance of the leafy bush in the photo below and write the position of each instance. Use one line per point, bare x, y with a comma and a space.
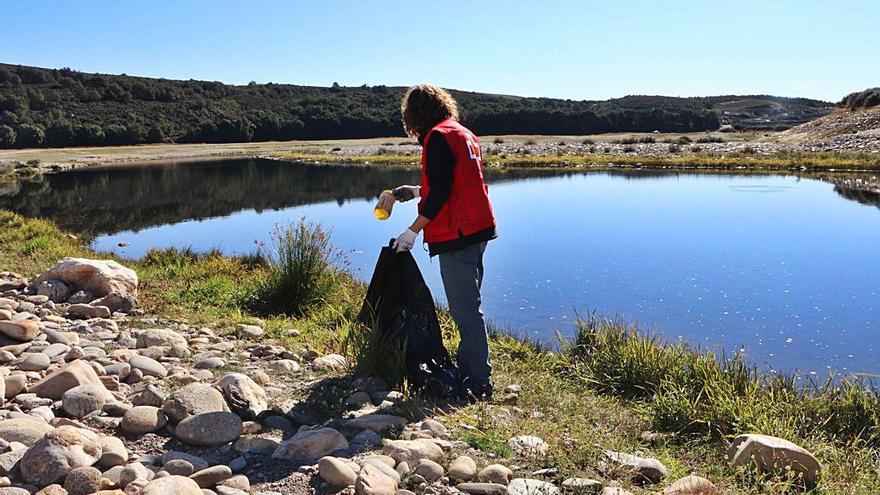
710, 139
498, 140
302, 273
683, 140
7, 136
30, 135
674, 148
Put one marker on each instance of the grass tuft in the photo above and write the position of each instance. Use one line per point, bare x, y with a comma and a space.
302, 272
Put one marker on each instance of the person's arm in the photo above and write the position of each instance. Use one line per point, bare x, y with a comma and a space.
440, 162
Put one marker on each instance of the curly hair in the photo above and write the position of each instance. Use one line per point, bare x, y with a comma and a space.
424, 106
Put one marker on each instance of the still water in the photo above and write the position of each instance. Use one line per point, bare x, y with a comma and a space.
780, 268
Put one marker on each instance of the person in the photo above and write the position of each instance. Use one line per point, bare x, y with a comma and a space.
456, 217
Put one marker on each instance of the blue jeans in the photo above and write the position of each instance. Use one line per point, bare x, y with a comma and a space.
462, 274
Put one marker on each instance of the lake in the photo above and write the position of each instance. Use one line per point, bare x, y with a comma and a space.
780, 268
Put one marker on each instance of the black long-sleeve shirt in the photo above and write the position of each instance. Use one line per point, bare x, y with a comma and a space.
440, 165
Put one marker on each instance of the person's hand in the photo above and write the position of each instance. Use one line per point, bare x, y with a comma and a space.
405, 193
405, 241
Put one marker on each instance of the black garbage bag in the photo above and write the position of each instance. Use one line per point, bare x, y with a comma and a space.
399, 306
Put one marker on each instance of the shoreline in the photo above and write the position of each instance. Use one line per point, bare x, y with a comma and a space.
718, 152
611, 386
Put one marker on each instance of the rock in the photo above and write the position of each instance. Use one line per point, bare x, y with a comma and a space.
284, 366
207, 478
524, 486
150, 395
250, 332
429, 470
113, 452
172, 485
582, 485
88, 311
260, 377
330, 362
336, 472
23, 430
773, 454
178, 467
56, 290
83, 400
34, 361
196, 461
209, 429
123, 303
256, 445
210, 363
160, 337
13, 385
413, 450
614, 490
134, 471
372, 481
495, 473
20, 330
379, 423
691, 485
100, 277
239, 482
148, 366
143, 419
437, 429
56, 454
482, 488
82, 481
74, 374
463, 468
641, 469
243, 395
11, 490
311, 444
386, 469
527, 445
193, 399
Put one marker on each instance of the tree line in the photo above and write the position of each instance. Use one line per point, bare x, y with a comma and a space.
65, 107
862, 99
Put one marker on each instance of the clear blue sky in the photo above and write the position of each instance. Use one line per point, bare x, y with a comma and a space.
569, 49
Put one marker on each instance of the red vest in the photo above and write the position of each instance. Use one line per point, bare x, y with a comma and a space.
468, 210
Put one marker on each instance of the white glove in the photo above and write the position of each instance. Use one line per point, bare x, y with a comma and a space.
405, 241
406, 193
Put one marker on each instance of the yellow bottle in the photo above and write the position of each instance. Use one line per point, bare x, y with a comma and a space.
384, 206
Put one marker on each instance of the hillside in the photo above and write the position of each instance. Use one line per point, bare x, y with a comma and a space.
842, 130
54, 108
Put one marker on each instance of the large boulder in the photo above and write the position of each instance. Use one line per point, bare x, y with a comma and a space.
413, 450
172, 485
209, 429
691, 485
773, 454
74, 374
160, 337
641, 469
100, 277
23, 430
310, 445
525, 486
195, 398
21, 330
243, 395
56, 454
373, 481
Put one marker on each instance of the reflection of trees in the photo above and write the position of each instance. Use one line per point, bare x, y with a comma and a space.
863, 196
133, 198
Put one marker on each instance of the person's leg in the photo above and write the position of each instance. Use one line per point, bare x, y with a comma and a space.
462, 274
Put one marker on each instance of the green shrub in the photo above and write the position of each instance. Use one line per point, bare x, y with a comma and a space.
684, 140
710, 139
674, 148
7, 136
629, 149
498, 140
302, 274
748, 150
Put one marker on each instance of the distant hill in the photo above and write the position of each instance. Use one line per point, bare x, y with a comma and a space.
64, 107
